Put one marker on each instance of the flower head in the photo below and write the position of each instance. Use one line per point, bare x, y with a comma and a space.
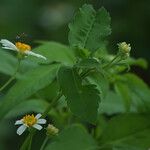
52, 130
124, 49
21, 48
29, 121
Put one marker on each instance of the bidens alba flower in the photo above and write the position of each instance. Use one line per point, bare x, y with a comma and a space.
29, 121
19, 47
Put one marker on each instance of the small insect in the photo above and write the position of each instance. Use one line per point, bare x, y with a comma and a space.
22, 35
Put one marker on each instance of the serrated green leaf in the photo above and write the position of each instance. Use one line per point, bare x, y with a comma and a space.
83, 100
89, 28
88, 63
127, 130
101, 82
32, 82
74, 137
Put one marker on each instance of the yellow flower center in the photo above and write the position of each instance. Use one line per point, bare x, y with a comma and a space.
22, 47
29, 120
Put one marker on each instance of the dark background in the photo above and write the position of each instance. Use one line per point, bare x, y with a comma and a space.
48, 20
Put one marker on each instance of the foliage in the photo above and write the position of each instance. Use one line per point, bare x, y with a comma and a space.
87, 93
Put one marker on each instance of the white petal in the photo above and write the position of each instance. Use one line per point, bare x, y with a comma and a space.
8, 45
19, 122
38, 116
21, 129
41, 121
34, 54
8, 48
37, 126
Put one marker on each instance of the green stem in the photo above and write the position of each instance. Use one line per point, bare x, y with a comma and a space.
52, 104
12, 78
44, 143
111, 62
25, 143
86, 73
30, 141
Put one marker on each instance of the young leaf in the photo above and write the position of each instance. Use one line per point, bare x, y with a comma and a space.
74, 137
89, 28
32, 82
83, 100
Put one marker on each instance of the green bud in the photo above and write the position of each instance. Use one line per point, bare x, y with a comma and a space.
124, 50
52, 130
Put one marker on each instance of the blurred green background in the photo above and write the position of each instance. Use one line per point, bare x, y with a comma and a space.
48, 20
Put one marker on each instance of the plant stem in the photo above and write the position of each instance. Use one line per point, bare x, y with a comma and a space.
44, 143
110, 63
12, 78
86, 73
30, 141
52, 104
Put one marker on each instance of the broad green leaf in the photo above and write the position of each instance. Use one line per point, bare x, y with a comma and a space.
126, 129
33, 105
74, 137
83, 100
7, 62
50, 92
111, 104
138, 91
55, 52
124, 92
33, 81
89, 28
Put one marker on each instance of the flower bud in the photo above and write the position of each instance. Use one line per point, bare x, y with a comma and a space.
52, 130
124, 50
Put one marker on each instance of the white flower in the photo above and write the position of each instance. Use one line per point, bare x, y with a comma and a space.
29, 121
19, 47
